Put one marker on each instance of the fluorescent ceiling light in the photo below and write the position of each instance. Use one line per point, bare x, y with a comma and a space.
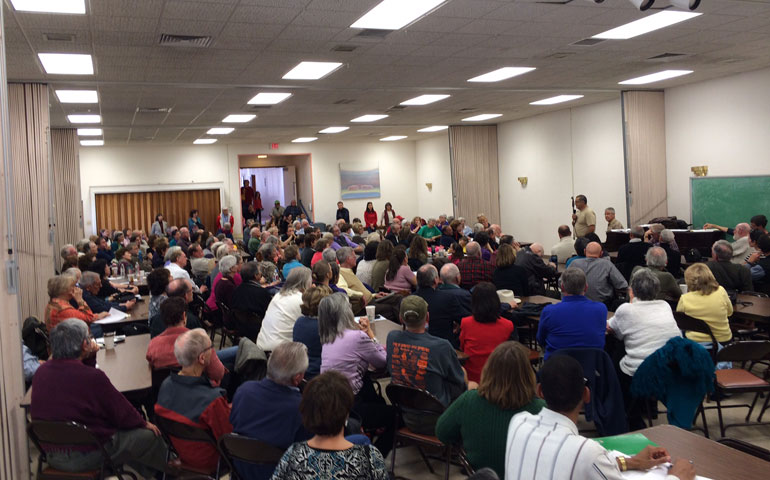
334, 129
655, 77
83, 118
220, 131
50, 6
269, 98
89, 132
77, 96
368, 118
236, 118
205, 141
262, 156
424, 99
646, 25
556, 99
395, 14
393, 138
92, 143
67, 63
434, 128
311, 70
482, 117
501, 74
304, 140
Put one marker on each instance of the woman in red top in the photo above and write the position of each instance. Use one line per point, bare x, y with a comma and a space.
484, 330
61, 290
258, 207
370, 217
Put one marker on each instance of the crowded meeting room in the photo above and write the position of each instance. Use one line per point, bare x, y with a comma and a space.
385, 239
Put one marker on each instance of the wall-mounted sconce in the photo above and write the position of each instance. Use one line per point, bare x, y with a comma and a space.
523, 181
700, 171
430, 186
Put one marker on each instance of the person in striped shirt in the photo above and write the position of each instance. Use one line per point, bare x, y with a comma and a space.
548, 445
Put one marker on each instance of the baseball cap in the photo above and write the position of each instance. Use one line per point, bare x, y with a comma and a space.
413, 308
277, 202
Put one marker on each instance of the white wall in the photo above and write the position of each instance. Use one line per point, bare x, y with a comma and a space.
723, 123
563, 153
434, 166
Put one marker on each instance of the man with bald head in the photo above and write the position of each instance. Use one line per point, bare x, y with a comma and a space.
602, 276
741, 247
566, 247
531, 260
473, 269
450, 282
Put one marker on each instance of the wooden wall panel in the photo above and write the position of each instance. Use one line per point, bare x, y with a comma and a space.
645, 140
137, 210
475, 174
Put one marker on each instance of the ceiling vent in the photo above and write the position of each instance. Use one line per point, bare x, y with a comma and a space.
396, 108
664, 57
587, 42
59, 37
560, 55
372, 33
344, 48
153, 109
344, 101
467, 110
192, 41
255, 108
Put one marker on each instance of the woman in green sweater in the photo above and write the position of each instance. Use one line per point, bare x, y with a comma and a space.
479, 419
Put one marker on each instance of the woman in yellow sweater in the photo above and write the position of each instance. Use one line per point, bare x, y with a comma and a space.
707, 301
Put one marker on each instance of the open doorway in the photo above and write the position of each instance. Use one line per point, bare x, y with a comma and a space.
279, 177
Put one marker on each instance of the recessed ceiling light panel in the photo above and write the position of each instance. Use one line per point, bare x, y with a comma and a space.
205, 141
77, 96
220, 131
89, 132
368, 118
269, 98
84, 118
393, 138
482, 117
334, 129
50, 6
311, 70
424, 99
655, 77
238, 118
395, 14
67, 63
556, 99
92, 143
304, 140
646, 25
501, 74
434, 128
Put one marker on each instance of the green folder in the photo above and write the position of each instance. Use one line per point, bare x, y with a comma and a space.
630, 444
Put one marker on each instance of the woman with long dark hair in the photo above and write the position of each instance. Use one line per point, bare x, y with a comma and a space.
370, 217
399, 277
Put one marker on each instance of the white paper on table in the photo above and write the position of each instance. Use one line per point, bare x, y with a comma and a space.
658, 473
114, 316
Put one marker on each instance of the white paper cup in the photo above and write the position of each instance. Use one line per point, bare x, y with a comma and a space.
683, 287
109, 340
370, 312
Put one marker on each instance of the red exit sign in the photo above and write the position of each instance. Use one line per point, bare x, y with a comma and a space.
273, 146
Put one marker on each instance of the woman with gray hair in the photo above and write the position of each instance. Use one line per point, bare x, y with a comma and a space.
350, 348
643, 325
284, 310
233, 261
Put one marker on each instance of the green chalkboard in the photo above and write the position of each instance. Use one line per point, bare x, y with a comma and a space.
728, 201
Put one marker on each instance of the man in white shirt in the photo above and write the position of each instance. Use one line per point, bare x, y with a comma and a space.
566, 246
741, 247
177, 261
548, 445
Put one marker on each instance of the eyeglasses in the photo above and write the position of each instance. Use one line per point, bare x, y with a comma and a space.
206, 349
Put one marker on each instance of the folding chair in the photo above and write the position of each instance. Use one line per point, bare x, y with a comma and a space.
688, 323
245, 449
69, 434
227, 323
247, 324
173, 429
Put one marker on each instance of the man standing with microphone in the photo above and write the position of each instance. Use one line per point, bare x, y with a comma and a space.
584, 220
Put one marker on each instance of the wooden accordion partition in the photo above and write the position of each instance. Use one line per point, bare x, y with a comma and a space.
475, 184
137, 210
67, 203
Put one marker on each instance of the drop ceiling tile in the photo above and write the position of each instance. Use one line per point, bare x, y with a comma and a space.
126, 8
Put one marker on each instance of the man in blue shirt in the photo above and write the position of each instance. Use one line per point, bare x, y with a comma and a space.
575, 322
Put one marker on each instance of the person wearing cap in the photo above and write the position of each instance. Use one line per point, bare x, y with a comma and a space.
418, 359
277, 212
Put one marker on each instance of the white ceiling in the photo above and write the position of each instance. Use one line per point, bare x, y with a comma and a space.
255, 42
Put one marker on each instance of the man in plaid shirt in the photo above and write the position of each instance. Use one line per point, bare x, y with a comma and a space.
473, 269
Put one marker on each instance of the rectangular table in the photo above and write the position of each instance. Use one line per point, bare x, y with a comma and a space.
710, 458
139, 313
125, 365
702, 240
758, 311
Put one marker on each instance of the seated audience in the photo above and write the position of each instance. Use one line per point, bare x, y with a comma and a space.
291, 260
250, 296
483, 331
234, 277
612, 222
306, 254
91, 284
566, 246
643, 325
320, 245
450, 282
576, 321
531, 260
732, 276
418, 253
189, 398
346, 258
656, 260
548, 445
284, 309
447, 237
157, 282
306, 327
268, 409
224, 288
61, 291
708, 301
482, 238
667, 243
508, 275
350, 348
160, 352
759, 262
66, 389
478, 420
603, 278
632, 254
183, 289
473, 269
177, 261
399, 277
421, 360
380, 268
430, 232
445, 309
580, 250
254, 241
326, 403
200, 266
366, 265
